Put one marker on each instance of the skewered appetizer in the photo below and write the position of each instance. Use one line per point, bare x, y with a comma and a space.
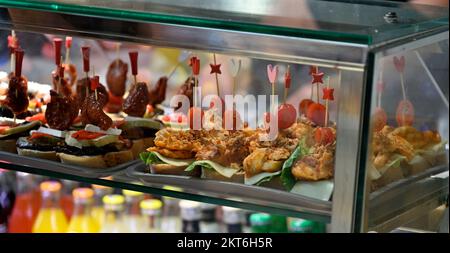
17, 101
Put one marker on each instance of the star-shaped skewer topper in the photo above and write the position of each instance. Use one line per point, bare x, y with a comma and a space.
317, 78
328, 94
215, 68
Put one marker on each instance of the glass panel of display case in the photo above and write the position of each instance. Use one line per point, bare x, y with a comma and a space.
257, 149
365, 22
407, 165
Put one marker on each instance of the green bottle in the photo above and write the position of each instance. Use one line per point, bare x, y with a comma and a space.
260, 223
305, 226
279, 224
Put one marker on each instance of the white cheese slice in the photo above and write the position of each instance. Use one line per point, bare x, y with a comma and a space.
96, 129
52, 132
174, 162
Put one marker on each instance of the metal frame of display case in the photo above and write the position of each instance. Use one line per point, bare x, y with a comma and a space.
345, 212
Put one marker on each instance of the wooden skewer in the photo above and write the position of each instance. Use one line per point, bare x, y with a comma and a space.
326, 103
217, 77
117, 52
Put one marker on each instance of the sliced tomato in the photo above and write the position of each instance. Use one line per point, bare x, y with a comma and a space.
86, 135
37, 117
37, 135
324, 135
3, 129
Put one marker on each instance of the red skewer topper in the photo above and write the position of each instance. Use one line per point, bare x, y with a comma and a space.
19, 58
86, 62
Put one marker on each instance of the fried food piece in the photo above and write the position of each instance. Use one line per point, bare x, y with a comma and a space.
319, 165
116, 77
418, 139
187, 89
158, 94
301, 130
83, 86
61, 111
175, 154
176, 140
136, 102
226, 148
61, 85
264, 160
92, 113
17, 97
71, 70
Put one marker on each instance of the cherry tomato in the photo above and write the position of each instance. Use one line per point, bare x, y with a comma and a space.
304, 104
316, 113
379, 119
166, 118
287, 115
324, 135
195, 117
234, 117
405, 113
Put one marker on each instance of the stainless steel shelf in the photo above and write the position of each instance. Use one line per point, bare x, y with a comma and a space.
405, 200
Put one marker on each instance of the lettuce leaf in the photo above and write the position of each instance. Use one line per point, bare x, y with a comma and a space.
287, 179
224, 171
261, 178
157, 158
149, 158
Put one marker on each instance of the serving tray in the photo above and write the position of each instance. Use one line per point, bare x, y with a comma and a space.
62, 167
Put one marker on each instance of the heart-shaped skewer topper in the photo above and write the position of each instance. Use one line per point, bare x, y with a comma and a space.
272, 72
235, 67
399, 63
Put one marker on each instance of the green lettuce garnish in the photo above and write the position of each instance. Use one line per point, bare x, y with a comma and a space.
287, 179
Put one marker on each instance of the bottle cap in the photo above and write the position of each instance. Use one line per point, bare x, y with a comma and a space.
258, 219
151, 204
83, 193
129, 193
113, 199
50, 186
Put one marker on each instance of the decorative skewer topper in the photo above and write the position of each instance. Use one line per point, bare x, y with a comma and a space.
405, 109
215, 69
272, 72
57, 43
316, 111
13, 44
86, 66
195, 113
287, 115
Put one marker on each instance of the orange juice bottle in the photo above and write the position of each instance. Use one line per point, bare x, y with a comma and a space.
51, 218
82, 220
98, 212
26, 206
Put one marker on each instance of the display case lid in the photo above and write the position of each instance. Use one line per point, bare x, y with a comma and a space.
362, 22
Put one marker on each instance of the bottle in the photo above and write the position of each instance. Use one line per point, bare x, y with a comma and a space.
171, 221
26, 206
233, 219
305, 226
151, 210
82, 220
190, 215
67, 198
246, 226
114, 207
208, 222
51, 218
7, 198
98, 213
260, 222
278, 224
133, 217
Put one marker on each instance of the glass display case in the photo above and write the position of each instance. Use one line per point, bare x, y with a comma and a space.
364, 149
